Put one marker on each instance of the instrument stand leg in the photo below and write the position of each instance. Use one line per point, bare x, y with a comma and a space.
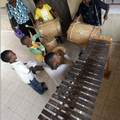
107, 71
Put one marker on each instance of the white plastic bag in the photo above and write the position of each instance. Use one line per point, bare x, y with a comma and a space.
31, 64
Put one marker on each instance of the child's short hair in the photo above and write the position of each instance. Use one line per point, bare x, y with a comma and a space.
36, 1
5, 57
24, 40
49, 58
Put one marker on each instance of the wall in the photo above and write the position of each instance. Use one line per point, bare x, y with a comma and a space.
111, 28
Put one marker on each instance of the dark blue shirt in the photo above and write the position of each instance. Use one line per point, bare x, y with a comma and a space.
88, 13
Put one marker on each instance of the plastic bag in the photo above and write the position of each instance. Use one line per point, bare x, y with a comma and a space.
19, 33
31, 64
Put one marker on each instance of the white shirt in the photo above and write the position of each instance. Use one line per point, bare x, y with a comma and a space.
22, 71
59, 74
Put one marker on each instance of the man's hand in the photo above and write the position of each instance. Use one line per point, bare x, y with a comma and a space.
105, 17
31, 68
34, 26
14, 29
38, 43
45, 37
61, 53
43, 53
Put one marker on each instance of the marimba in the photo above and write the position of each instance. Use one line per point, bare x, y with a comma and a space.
76, 96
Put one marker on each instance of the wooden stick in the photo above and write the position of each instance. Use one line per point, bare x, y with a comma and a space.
29, 26
56, 16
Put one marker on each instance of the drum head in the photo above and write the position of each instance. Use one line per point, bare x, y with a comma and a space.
63, 60
57, 48
49, 39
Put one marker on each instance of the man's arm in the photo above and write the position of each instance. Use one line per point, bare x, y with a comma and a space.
31, 16
36, 22
106, 13
54, 12
104, 6
61, 53
12, 25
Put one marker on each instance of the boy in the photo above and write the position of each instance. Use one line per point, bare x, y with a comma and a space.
23, 72
43, 11
54, 67
36, 48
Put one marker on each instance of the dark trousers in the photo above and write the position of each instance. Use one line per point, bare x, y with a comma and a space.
26, 30
58, 39
37, 86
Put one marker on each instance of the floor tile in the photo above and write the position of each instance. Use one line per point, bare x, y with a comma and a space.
43, 74
2, 90
22, 90
14, 102
111, 76
2, 107
114, 62
118, 67
71, 53
51, 87
13, 85
104, 89
6, 97
6, 71
33, 113
115, 51
16, 117
42, 100
12, 73
6, 114
3, 76
95, 117
23, 108
116, 79
111, 111
114, 93
40, 78
102, 119
99, 105
6, 82
31, 95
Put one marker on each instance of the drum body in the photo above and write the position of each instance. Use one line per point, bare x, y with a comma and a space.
63, 60
50, 43
51, 27
80, 33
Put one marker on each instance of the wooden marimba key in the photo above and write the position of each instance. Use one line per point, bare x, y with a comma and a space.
76, 96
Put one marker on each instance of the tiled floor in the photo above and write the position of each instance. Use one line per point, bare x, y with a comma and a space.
20, 102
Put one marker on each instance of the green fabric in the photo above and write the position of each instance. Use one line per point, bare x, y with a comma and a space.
34, 37
35, 51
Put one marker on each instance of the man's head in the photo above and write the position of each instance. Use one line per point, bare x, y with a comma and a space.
39, 3
86, 2
52, 60
25, 40
8, 56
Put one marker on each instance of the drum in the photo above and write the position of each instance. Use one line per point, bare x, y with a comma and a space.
81, 33
50, 43
51, 27
63, 60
